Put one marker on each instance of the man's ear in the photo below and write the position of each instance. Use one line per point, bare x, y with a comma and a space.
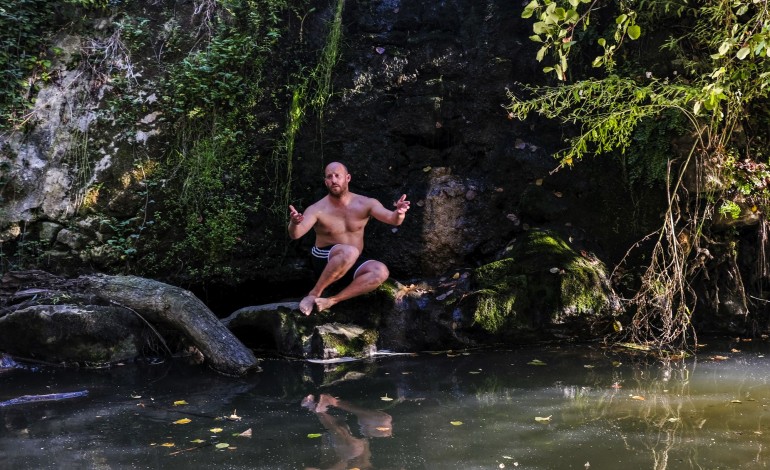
347, 177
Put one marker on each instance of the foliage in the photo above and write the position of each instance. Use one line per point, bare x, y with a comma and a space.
558, 22
720, 71
22, 53
313, 89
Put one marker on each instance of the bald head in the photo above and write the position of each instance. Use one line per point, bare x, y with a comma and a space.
336, 179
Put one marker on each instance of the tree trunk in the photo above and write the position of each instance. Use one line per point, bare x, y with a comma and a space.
155, 301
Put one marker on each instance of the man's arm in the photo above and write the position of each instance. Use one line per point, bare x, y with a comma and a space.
300, 224
395, 217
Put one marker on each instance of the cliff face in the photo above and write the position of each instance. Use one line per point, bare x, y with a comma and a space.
106, 174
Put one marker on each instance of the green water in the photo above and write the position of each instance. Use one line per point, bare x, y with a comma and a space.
552, 407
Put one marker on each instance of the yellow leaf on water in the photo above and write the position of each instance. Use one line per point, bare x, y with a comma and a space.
182, 421
541, 419
313, 435
197, 441
386, 398
536, 362
222, 445
637, 397
168, 444
215, 430
456, 423
180, 403
736, 401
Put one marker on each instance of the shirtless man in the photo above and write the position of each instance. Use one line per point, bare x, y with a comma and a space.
339, 220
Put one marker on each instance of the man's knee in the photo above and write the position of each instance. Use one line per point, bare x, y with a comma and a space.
379, 270
346, 253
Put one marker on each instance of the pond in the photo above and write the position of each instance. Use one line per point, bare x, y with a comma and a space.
547, 407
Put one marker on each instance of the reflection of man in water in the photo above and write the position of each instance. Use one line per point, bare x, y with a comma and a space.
351, 451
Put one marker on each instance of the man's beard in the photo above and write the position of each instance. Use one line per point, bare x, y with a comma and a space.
337, 191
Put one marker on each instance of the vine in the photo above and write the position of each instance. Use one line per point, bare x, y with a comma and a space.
725, 73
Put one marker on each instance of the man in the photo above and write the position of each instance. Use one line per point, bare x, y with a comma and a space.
339, 220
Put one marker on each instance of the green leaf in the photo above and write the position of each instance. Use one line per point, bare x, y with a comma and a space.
634, 31
535, 38
540, 28
313, 435
621, 19
743, 52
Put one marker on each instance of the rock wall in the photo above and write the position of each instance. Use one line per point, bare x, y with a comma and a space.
416, 109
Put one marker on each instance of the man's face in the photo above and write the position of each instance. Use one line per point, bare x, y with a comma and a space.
336, 179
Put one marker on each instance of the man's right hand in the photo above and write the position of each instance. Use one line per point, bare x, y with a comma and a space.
296, 217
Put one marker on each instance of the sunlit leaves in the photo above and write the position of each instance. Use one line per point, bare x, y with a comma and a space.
180, 403
543, 419
183, 421
456, 423
314, 435
555, 26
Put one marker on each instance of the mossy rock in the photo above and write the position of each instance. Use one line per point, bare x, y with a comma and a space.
335, 340
541, 281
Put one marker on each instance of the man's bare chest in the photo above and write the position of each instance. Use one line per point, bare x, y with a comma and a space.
342, 220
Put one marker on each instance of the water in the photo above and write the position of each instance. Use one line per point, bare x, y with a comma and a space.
579, 407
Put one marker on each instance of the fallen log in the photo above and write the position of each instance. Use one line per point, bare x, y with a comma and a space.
175, 306
154, 301
47, 397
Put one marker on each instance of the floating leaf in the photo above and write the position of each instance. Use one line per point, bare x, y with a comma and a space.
736, 401
180, 403
386, 398
182, 421
382, 428
543, 419
197, 441
135, 396
222, 445
234, 417
672, 420
246, 433
456, 423
637, 397
215, 430
474, 372
536, 362
719, 358
313, 435
427, 169
167, 444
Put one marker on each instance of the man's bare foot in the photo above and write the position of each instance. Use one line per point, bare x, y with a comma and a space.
306, 305
322, 303
324, 402
309, 402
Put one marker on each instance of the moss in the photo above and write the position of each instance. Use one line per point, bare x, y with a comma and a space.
542, 279
356, 346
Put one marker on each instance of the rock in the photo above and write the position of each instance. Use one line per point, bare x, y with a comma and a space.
74, 240
88, 335
47, 232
